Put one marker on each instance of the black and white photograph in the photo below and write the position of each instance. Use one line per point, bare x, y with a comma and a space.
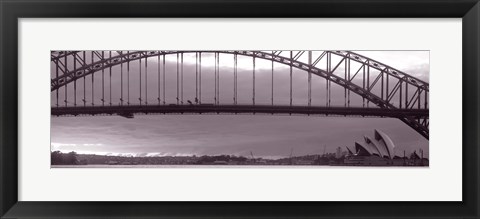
239, 108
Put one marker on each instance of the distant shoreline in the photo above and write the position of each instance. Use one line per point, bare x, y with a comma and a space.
92, 166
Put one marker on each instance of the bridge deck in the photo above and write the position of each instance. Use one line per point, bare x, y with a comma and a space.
130, 110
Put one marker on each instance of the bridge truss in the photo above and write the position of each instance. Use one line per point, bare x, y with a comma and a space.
384, 90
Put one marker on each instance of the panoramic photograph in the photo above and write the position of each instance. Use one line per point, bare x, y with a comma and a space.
239, 108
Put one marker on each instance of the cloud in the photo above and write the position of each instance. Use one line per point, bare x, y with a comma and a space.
161, 135
230, 134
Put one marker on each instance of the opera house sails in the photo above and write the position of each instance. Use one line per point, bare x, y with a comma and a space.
376, 151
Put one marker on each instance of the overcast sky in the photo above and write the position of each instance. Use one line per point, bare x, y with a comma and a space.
264, 135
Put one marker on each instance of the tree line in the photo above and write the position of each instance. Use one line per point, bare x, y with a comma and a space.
59, 158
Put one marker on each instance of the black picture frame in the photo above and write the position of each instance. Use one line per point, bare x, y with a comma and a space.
12, 10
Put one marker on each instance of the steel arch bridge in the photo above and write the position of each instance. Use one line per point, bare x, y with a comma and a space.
384, 91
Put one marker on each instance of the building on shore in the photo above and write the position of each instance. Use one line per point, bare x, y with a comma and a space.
379, 151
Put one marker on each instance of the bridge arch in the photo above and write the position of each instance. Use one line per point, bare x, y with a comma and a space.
420, 87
